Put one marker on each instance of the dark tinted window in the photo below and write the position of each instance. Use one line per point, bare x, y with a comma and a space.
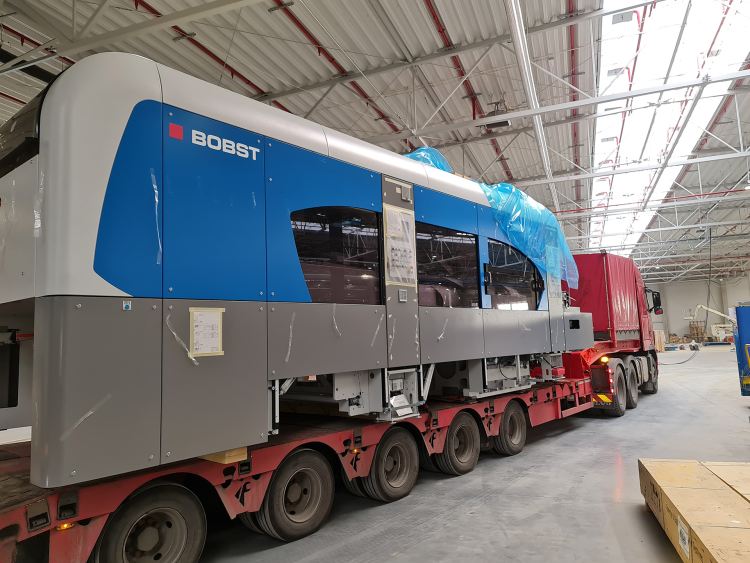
447, 267
511, 279
339, 249
19, 136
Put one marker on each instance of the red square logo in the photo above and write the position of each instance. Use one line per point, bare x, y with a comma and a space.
175, 131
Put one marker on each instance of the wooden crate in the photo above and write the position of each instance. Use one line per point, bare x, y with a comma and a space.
703, 508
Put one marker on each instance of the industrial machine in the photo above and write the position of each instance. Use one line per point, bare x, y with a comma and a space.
172, 245
742, 346
212, 302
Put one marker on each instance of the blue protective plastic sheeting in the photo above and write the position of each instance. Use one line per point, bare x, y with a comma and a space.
528, 225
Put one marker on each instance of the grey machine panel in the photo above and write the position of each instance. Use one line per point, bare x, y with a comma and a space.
318, 338
402, 310
579, 330
508, 333
222, 402
97, 392
556, 308
450, 334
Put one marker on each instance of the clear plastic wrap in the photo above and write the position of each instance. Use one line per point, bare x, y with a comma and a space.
528, 225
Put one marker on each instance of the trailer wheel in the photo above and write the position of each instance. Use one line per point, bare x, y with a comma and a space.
462, 446
354, 486
250, 521
395, 468
620, 399
299, 498
651, 387
512, 437
164, 523
631, 396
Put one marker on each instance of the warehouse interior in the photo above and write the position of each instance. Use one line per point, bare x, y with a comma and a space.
629, 121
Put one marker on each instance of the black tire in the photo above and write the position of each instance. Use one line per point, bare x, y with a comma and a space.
512, 437
395, 467
631, 395
354, 486
250, 521
299, 498
651, 387
462, 446
619, 401
165, 523
425, 461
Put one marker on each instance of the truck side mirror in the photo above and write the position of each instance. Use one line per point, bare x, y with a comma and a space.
656, 299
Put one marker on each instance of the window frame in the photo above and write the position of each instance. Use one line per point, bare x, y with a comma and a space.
378, 225
476, 260
538, 283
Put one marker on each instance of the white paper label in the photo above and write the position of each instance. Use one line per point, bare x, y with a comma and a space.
400, 258
206, 331
683, 534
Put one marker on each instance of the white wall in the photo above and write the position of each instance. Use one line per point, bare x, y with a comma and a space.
679, 300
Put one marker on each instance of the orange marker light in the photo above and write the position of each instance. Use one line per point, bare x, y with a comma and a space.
65, 526
604, 359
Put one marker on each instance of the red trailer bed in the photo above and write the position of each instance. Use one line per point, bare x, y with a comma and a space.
74, 517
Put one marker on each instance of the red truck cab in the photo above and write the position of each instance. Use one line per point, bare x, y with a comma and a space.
622, 360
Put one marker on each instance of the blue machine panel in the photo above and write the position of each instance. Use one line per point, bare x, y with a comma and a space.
128, 250
742, 345
214, 209
488, 226
444, 210
299, 179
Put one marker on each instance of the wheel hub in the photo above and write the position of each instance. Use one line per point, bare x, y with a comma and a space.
158, 535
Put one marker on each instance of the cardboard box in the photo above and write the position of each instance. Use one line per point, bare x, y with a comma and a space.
702, 507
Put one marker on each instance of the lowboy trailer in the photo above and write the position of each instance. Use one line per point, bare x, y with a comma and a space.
283, 488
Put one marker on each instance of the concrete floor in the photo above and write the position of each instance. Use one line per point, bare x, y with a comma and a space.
571, 495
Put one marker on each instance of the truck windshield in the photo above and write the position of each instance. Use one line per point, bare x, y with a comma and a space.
19, 136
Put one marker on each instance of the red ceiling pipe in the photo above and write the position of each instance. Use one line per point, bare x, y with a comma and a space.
476, 107
209, 53
12, 98
23, 38
337, 66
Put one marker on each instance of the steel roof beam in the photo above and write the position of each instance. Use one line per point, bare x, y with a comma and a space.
628, 169
671, 228
458, 49
523, 59
204, 10
564, 106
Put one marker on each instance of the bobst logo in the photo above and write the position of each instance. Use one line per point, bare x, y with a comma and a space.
214, 142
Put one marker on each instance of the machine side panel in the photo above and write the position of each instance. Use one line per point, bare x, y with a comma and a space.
449, 334
578, 331
97, 388
508, 333
443, 210
300, 179
214, 209
317, 338
218, 401
17, 192
401, 297
82, 123
128, 252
